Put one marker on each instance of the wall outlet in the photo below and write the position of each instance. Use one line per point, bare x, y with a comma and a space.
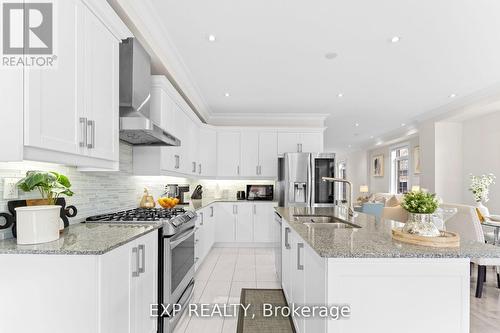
10, 190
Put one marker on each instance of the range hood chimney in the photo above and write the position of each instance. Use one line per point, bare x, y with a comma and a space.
136, 126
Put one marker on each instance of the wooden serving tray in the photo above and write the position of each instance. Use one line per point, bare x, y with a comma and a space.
447, 239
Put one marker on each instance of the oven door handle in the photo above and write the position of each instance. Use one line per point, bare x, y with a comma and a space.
182, 237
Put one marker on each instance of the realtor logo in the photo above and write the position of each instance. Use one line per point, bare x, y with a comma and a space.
28, 30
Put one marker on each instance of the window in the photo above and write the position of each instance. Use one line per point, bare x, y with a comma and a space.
400, 168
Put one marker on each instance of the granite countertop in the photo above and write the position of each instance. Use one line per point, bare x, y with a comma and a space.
195, 204
373, 239
84, 239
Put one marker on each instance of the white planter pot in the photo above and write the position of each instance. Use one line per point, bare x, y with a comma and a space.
37, 224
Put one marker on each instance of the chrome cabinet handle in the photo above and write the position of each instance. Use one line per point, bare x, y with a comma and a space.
91, 124
83, 127
212, 211
254, 209
142, 251
199, 168
287, 245
300, 267
299, 147
257, 170
177, 161
135, 252
235, 209
238, 169
260, 169
194, 167
202, 219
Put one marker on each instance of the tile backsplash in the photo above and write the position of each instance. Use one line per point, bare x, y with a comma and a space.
102, 192
95, 192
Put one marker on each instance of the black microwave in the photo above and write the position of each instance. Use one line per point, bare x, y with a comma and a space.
260, 192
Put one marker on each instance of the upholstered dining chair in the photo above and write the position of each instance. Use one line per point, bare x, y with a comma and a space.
467, 224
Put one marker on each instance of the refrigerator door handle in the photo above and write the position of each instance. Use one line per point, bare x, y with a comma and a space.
310, 181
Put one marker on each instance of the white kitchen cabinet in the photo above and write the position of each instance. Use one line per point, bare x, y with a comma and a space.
105, 293
259, 154
224, 226
210, 227
306, 142
54, 98
263, 222
228, 154
249, 148
286, 259
207, 153
303, 278
200, 236
191, 146
101, 89
71, 111
268, 154
243, 223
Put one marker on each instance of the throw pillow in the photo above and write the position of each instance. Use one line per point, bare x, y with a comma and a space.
392, 202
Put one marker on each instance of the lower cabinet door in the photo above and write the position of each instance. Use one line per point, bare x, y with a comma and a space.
263, 222
315, 287
297, 277
145, 285
286, 260
244, 223
225, 223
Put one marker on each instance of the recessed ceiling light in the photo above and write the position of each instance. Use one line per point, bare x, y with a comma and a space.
395, 39
227, 94
340, 95
211, 38
403, 124
371, 136
331, 55
357, 124
378, 143
349, 146
453, 96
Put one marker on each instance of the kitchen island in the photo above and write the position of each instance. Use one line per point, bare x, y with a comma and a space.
389, 286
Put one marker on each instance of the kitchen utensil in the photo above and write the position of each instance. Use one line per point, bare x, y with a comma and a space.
197, 193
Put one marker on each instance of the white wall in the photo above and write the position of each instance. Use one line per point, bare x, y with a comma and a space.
356, 169
481, 155
427, 135
448, 161
383, 184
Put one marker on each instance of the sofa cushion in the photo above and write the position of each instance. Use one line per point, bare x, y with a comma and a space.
392, 202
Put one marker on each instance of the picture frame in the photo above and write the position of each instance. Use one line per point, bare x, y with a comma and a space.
378, 166
416, 160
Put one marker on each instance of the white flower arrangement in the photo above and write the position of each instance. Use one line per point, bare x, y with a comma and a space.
479, 186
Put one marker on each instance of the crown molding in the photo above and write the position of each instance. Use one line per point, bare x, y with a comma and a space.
146, 26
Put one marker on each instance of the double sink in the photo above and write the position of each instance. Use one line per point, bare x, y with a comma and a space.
325, 220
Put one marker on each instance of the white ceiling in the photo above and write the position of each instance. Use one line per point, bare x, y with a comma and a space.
270, 56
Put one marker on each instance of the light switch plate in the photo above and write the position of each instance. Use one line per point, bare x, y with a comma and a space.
10, 190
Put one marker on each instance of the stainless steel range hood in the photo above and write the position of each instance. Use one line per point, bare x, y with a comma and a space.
136, 126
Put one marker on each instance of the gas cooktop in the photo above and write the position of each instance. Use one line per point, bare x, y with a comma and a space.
139, 215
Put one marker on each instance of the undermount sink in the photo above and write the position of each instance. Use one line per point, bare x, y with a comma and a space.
332, 221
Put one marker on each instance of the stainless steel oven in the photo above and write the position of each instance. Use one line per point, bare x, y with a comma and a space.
178, 284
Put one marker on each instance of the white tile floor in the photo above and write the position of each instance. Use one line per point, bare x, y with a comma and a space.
220, 279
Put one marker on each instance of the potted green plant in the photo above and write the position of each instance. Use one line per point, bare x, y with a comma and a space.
421, 207
39, 223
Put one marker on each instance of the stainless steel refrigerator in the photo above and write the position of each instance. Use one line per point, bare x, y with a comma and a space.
300, 180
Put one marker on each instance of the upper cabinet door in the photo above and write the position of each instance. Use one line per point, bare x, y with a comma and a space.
53, 97
312, 142
101, 86
249, 154
228, 154
268, 154
288, 142
207, 152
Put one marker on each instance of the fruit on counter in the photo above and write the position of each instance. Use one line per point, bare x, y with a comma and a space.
168, 202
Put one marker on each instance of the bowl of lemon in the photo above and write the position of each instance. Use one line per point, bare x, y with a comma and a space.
168, 202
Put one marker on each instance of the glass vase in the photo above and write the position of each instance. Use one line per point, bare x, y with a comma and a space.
421, 225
